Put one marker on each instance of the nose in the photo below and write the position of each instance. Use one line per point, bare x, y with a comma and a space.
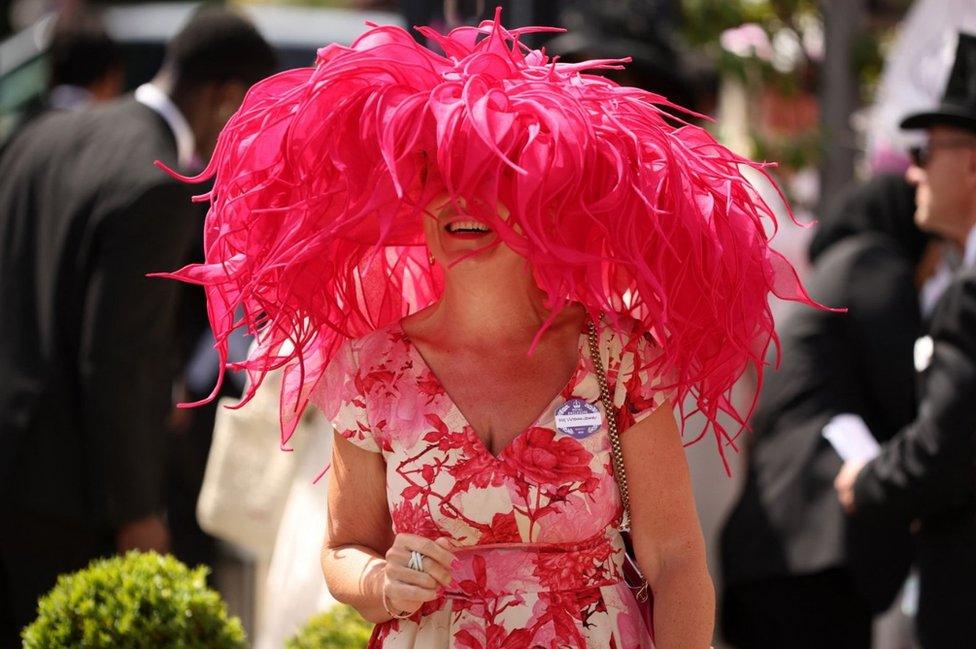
915, 175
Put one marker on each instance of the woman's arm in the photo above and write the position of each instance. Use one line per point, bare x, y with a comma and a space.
359, 529
361, 558
666, 532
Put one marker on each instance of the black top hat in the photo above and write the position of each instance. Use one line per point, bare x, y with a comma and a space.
958, 106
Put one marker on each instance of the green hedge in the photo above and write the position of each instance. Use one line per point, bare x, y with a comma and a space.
340, 627
139, 601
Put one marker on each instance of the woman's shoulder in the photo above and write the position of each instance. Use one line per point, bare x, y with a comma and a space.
376, 347
350, 368
625, 333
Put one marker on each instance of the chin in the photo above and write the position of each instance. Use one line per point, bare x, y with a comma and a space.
472, 257
922, 219
469, 249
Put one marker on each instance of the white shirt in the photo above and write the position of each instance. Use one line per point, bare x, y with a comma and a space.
151, 96
969, 253
68, 97
936, 285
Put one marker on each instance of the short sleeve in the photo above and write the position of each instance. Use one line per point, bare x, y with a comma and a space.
341, 398
640, 388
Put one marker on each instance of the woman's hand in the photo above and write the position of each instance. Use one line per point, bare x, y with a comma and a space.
360, 529
405, 589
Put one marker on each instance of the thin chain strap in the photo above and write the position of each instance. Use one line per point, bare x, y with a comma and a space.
616, 452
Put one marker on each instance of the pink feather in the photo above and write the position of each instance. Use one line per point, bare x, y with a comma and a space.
322, 177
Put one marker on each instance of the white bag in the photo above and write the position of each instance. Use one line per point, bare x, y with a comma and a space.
248, 477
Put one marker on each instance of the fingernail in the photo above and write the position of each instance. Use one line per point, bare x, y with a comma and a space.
455, 562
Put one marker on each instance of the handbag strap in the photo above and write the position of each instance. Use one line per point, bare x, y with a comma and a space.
616, 451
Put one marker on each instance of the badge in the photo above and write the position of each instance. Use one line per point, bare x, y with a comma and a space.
578, 418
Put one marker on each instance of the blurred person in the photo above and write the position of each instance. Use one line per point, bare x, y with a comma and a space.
417, 225
87, 342
85, 63
925, 475
916, 67
796, 573
84, 66
294, 589
191, 430
648, 33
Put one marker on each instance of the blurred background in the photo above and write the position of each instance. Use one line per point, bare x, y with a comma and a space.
817, 86
790, 80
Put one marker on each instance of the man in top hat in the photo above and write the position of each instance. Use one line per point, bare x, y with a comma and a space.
926, 474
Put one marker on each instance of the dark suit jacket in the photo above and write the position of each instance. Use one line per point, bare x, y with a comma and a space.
788, 520
86, 340
926, 473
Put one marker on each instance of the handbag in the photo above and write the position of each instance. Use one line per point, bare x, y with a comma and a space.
248, 478
632, 573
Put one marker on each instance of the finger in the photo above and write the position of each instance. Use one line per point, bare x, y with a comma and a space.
437, 572
441, 574
401, 558
400, 593
429, 549
410, 576
401, 607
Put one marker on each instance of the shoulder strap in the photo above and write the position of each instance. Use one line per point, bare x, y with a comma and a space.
616, 451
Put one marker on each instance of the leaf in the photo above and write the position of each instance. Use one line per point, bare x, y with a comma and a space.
465, 638
411, 492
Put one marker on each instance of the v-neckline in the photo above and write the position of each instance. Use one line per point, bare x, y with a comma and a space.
539, 418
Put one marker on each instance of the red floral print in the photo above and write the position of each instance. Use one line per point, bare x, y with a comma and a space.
414, 519
540, 558
540, 457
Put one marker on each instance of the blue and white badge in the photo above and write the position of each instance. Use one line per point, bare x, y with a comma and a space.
578, 418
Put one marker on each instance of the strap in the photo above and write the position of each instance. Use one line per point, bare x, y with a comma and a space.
616, 451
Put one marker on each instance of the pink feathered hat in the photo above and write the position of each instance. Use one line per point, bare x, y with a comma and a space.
323, 177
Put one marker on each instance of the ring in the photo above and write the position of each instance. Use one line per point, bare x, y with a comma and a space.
416, 561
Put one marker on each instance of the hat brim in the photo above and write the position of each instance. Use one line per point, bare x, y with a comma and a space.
945, 116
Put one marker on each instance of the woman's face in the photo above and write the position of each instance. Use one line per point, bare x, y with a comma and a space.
460, 242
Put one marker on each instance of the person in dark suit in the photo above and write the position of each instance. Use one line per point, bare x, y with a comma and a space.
925, 475
795, 573
84, 66
87, 341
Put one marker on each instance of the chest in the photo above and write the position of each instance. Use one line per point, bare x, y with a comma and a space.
502, 392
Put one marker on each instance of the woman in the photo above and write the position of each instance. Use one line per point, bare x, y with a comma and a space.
446, 241
492, 471
797, 572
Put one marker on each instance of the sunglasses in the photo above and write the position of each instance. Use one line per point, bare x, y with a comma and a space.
921, 155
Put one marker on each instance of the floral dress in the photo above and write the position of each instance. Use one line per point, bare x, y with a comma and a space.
541, 559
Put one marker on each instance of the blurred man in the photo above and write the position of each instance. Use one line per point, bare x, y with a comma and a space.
84, 66
87, 342
927, 472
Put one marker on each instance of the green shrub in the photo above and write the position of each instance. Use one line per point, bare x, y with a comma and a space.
139, 601
340, 627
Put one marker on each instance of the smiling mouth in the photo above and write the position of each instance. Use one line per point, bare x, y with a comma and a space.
467, 228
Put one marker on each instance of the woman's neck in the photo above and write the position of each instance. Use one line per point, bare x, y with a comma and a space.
486, 309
